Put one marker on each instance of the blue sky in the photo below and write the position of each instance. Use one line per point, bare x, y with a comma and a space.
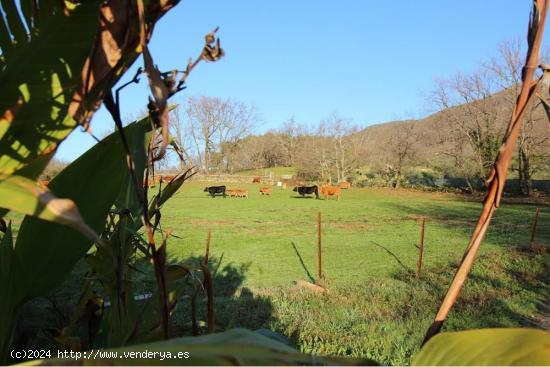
371, 61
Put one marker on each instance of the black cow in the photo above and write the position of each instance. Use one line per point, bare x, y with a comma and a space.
213, 190
307, 190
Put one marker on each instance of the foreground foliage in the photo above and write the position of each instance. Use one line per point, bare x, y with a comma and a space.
243, 347
83, 48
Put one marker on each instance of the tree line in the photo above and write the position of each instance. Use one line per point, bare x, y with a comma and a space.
217, 136
461, 139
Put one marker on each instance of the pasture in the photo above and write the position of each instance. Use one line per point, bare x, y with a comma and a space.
369, 232
375, 307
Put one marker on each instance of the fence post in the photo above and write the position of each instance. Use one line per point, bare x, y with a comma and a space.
319, 247
534, 227
207, 252
421, 247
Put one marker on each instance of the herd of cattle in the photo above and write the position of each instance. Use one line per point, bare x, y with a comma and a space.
325, 190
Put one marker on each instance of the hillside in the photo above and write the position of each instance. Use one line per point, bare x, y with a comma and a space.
433, 134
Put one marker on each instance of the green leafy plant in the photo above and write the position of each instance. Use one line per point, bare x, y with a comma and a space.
84, 48
44, 264
503, 347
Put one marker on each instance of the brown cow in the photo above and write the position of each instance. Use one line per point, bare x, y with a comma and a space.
154, 181
242, 193
166, 179
344, 185
256, 180
239, 193
265, 190
232, 193
327, 190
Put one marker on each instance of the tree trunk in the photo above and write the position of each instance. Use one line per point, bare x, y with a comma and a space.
470, 187
525, 182
397, 180
206, 159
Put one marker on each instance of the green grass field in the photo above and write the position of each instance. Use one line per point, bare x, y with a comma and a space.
367, 233
375, 307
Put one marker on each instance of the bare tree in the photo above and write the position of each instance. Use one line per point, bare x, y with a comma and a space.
478, 105
239, 121
468, 105
402, 149
178, 133
532, 141
346, 143
456, 158
260, 151
328, 151
310, 155
216, 127
288, 137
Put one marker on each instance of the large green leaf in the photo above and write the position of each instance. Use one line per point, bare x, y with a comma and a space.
45, 252
24, 196
57, 76
233, 347
504, 347
93, 182
38, 82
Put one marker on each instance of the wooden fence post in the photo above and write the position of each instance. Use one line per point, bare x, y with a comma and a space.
421, 247
207, 252
534, 227
319, 248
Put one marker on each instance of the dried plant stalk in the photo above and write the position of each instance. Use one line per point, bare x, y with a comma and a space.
498, 174
210, 297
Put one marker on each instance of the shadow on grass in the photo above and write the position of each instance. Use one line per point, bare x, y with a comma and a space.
310, 277
501, 291
234, 305
42, 319
405, 267
510, 225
